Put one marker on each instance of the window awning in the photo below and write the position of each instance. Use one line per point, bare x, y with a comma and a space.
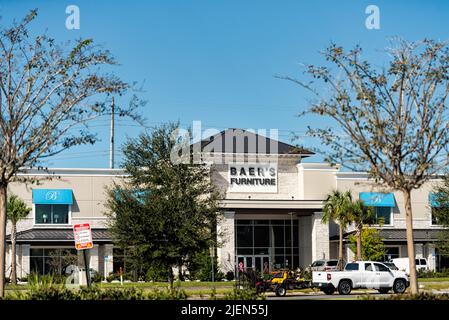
377, 199
52, 196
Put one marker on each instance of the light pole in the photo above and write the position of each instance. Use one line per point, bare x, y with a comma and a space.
291, 237
212, 257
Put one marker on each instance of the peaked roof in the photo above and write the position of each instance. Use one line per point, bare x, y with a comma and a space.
56, 234
244, 141
400, 235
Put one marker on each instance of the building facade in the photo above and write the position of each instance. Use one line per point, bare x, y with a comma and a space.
271, 218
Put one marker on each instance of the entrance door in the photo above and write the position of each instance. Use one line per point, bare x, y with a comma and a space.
259, 263
244, 262
262, 264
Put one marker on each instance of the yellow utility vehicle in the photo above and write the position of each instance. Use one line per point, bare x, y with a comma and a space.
281, 281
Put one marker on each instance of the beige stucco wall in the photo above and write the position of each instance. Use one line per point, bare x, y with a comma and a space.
357, 183
288, 186
89, 195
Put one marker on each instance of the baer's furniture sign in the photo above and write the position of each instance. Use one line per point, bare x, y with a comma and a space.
253, 178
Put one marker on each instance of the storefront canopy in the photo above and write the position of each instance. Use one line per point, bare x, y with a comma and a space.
52, 196
377, 199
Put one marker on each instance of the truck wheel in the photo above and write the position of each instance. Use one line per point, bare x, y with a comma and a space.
281, 291
329, 291
344, 287
399, 286
384, 290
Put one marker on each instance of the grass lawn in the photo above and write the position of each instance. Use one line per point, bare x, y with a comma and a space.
433, 279
182, 284
191, 287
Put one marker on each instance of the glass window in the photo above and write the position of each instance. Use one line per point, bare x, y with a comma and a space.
318, 263
368, 267
381, 267
36, 252
245, 251
332, 263
261, 236
383, 215
243, 222
245, 236
391, 253
437, 212
60, 214
52, 213
43, 213
278, 236
264, 251
53, 260
422, 262
352, 267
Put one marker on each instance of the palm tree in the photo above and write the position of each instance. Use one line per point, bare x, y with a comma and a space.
337, 208
360, 215
16, 211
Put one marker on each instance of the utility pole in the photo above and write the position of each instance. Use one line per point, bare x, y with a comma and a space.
111, 147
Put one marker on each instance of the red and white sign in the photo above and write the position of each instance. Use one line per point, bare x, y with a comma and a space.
83, 236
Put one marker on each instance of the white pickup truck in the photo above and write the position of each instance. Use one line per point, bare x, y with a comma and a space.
361, 275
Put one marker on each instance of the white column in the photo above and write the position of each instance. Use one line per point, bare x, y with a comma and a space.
94, 261
25, 260
305, 242
419, 250
8, 260
431, 257
350, 256
226, 241
108, 259
320, 237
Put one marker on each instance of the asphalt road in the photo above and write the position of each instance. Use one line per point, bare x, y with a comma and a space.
335, 296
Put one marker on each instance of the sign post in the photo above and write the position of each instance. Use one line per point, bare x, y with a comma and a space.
83, 241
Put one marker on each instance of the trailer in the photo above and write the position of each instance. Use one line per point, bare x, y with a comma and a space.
281, 281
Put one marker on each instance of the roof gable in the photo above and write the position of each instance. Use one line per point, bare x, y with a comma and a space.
247, 142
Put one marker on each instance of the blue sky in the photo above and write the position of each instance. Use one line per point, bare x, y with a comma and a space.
215, 61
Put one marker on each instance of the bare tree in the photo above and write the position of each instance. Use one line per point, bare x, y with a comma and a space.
391, 122
48, 94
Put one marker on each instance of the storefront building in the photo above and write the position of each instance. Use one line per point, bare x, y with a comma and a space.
271, 210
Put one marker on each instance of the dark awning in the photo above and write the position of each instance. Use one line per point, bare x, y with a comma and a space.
58, 235
399, 235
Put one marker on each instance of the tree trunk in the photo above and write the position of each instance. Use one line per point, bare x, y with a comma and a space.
13, 254
170, 278
3, 203
359, 242
340, 249
410, 242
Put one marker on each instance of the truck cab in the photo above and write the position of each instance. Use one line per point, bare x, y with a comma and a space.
361, 275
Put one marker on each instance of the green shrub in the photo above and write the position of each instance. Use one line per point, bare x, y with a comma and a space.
175, 294
157, 273
59, 292
200, 267
116, 276
229, 275
444, 273
96, 293
97, 277
244, 294
420, 296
